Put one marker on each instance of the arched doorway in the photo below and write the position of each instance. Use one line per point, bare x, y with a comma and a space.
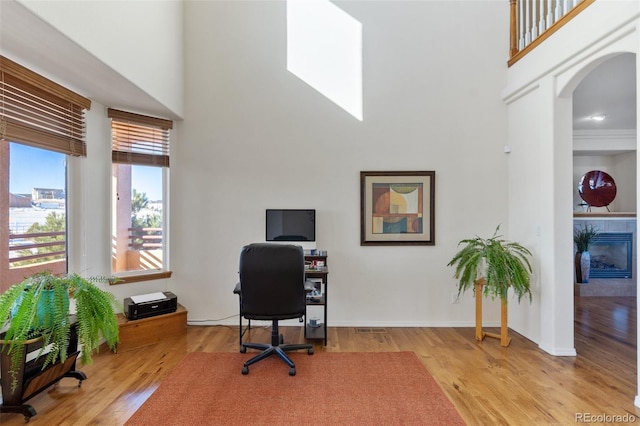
605, 138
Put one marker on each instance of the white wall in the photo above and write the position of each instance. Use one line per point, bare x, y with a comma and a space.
539, 101
257, 137
626, 178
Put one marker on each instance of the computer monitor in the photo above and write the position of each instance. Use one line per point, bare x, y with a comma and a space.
292, 225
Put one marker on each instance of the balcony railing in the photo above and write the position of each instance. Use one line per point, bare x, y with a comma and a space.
26, 249
142, 252
145, 238
30, 253
533, 21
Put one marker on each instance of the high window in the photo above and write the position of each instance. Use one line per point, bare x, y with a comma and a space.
41, 123
140, 156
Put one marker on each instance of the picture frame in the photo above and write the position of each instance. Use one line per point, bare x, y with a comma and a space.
316, 294
397, 208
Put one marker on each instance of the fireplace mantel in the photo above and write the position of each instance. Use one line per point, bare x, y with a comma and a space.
604, 215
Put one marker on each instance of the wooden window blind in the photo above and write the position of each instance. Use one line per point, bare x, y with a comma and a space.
139, 139
36, 111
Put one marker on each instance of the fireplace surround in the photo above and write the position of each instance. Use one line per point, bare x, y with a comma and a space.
611, 255
613, 259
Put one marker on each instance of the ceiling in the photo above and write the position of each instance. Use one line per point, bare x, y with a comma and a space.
24, 35
610, 90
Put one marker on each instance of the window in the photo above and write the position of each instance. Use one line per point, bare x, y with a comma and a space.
41, 123
37, 208
140, 156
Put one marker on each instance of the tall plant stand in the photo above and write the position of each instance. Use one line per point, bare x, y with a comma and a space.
504, 330
31, 378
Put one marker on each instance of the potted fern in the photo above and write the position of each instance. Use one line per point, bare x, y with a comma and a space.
492, 266
38, 307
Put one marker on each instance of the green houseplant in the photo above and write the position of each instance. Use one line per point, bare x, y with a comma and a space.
583, 238
492, 266
38, 307
502, 264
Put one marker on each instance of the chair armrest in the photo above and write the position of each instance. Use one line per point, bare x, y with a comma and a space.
237, 289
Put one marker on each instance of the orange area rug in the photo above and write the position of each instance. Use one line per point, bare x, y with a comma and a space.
330, 388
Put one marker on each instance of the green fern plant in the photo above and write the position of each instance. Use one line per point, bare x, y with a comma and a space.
38, 307
502, 264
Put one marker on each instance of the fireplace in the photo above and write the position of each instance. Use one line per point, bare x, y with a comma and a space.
611, 255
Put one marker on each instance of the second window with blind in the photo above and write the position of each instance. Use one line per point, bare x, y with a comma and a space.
140, 156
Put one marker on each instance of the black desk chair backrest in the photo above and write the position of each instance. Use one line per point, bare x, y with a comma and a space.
272, 287
272, 281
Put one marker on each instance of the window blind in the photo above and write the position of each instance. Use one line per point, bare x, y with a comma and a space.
139, 139
38, 112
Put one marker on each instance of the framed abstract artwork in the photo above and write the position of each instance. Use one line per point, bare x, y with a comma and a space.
397, 208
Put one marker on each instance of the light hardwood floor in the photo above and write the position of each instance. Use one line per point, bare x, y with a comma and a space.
488, 384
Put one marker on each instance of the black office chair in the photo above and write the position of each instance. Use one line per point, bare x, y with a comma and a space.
272, 287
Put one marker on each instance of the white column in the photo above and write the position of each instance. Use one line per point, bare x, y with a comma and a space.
556, 221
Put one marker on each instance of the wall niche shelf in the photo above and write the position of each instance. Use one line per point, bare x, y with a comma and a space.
606, 215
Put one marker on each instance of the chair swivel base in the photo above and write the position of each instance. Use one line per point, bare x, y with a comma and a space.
279, 350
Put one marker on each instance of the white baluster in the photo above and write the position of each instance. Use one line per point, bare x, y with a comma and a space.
521, 26
558, 10
527, 34
534, 20
550, 20
537, 16
541, 23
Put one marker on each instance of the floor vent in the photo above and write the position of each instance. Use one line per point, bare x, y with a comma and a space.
371, 330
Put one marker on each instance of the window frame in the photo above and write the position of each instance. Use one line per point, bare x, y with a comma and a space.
126, 151
37, 112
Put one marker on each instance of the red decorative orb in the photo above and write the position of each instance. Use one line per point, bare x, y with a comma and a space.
597, 188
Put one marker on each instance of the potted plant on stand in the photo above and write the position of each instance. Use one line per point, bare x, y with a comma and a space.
492, 266
583, 238
39, 308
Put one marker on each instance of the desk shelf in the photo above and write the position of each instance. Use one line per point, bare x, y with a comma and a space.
320, 273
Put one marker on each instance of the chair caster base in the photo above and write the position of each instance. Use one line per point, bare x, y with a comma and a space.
292, 371
310, 351
245, 370
243, 350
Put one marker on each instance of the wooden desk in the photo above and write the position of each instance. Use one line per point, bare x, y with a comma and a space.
149, 331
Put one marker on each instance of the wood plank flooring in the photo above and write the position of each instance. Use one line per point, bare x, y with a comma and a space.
488, 384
